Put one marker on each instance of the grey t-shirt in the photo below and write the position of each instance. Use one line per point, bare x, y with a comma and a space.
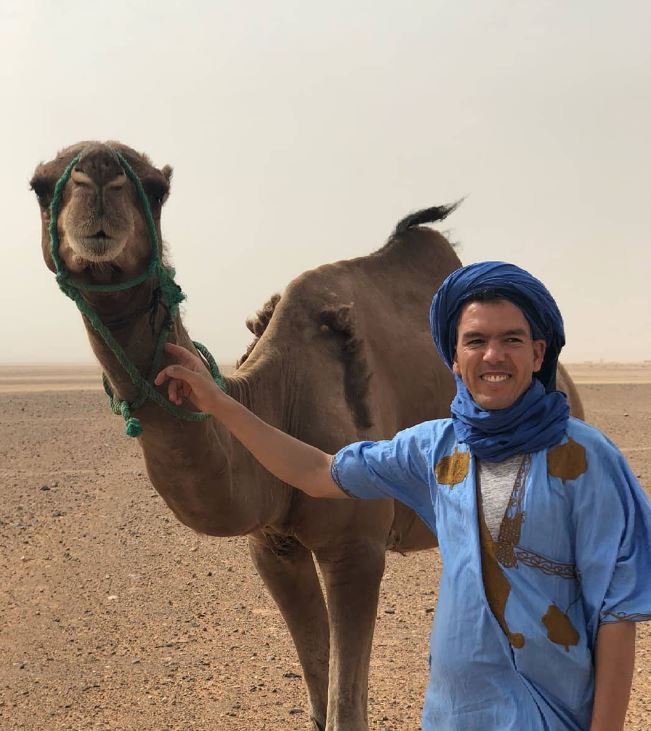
496, 480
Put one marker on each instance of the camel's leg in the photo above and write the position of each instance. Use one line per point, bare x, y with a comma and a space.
288, 570
352, 574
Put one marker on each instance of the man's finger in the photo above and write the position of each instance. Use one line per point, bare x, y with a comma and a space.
174, 348
183, 355
177, 386
161, 377
175, 371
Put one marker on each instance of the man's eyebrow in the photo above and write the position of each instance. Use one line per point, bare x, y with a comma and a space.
519, 331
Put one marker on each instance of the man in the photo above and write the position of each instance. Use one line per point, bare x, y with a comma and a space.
544, 533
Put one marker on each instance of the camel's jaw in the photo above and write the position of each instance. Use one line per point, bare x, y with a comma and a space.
82, 246
117, 235
99, 248
98, 224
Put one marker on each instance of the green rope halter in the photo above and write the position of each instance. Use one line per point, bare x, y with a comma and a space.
170, 294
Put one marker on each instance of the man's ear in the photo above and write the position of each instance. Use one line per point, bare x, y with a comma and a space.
539, 348
455, 366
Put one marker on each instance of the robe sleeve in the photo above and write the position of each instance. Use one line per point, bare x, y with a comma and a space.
394, 468
613, 540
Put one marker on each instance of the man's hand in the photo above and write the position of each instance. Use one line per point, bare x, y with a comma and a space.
291, 460
189, 379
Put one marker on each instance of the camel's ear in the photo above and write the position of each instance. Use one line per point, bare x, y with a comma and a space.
167, 174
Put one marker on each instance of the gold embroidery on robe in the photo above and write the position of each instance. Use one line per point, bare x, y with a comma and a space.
611, 617
546, 565
496, 585
567, 461
559, 628
509, 537
453, 469
511, 525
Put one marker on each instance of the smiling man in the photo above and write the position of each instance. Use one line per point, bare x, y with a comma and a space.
495, 354
544, 533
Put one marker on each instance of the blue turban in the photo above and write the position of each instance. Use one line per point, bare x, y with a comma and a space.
511, 283
538, 418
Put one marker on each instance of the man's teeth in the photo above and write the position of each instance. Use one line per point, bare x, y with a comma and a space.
495, 378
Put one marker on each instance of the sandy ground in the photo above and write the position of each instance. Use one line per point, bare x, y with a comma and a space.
114, 616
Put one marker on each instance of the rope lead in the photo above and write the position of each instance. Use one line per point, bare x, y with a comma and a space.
171, 295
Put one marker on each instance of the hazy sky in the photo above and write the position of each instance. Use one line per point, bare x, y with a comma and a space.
300, 132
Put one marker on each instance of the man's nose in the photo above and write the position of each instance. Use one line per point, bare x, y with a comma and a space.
494, 352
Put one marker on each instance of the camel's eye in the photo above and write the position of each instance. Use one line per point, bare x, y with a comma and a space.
157, 189
43, 188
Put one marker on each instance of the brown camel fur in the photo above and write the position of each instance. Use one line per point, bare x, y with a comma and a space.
345, 354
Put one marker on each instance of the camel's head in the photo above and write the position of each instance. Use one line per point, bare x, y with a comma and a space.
103, 234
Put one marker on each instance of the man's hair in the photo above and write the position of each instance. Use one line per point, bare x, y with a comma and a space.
488, 295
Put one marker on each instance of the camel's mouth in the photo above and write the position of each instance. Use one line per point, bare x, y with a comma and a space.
100, 247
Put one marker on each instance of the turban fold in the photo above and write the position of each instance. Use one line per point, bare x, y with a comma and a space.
505, 281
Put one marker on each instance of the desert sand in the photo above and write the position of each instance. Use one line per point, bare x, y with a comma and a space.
115, 616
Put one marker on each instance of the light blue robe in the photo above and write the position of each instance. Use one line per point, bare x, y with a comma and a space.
582, 558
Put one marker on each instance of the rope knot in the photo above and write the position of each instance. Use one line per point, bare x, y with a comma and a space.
133, 427
170, 290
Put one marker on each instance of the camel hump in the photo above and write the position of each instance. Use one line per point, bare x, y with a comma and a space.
258, 324
426, 215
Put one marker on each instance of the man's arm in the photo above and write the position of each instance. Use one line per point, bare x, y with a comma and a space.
615, 657
289, 459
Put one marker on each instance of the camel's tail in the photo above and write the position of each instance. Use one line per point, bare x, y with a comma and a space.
427, 215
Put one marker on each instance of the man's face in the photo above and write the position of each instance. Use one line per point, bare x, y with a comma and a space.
495, 354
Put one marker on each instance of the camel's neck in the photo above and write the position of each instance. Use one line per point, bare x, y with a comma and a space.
210, 482
134, 319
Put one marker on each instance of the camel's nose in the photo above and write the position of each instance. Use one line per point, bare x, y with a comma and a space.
100, 165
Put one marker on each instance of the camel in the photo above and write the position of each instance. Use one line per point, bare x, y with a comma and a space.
344, 354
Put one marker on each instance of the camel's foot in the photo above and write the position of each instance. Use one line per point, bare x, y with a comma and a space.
347, 722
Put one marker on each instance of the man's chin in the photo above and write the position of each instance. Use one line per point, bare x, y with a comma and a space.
494, 403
